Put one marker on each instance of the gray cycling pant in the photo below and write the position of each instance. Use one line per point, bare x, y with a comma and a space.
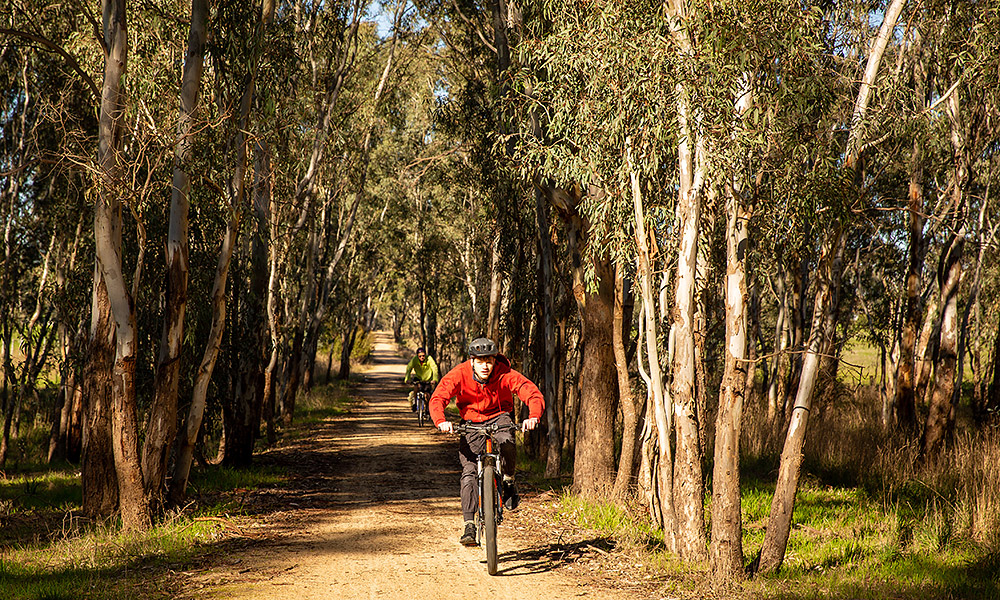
469, 447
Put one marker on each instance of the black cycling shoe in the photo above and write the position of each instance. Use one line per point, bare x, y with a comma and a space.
511, 499
469, 537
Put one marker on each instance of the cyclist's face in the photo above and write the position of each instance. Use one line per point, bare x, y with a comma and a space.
421, 357
483, 366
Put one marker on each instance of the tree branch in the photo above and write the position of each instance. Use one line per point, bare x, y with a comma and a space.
70, 60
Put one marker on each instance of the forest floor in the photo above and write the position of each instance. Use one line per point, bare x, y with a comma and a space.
371, 510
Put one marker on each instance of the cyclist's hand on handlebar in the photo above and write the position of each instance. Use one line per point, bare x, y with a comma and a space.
529, 424
446, 427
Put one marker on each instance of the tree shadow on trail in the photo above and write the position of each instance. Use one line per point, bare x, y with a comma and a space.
548, 557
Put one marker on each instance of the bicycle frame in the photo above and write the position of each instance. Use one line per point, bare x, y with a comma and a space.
490, 511
491, 458
421, 389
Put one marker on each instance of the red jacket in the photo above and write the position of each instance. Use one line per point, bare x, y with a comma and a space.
480, 402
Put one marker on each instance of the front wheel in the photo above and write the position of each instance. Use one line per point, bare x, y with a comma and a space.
489, 500
421, 409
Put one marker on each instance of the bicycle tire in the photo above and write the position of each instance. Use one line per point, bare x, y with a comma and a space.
489, 500
421, 409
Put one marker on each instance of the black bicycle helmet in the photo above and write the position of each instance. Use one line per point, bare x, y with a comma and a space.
482, 347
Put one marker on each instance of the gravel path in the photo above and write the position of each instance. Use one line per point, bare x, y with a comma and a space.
373, 512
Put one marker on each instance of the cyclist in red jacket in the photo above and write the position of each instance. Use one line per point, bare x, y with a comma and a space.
483, 388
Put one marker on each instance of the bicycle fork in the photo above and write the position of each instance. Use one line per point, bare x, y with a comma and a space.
494, 457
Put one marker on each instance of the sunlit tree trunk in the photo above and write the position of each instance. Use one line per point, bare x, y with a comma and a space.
947, 378
593, 467
133, 501
162, 425
904, 404
726, 548
626, 461
941, 415
688, 487
727, 525
657, 466
780, 520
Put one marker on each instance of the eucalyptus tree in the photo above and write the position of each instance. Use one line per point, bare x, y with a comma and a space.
133, 499
162, 424
969, 105
936, 111
596, 87
324, 74
903, 401
59, 96
239, 42
692, 173
727, 94
829, 275
33, 237
381, 72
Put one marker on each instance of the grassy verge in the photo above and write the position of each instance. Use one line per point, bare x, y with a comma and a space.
870, 520
325, 402
844, 544
50, 551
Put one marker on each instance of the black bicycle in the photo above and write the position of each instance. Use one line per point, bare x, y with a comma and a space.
421, 392
490, 512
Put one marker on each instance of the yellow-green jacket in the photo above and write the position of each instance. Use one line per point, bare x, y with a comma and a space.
426, 371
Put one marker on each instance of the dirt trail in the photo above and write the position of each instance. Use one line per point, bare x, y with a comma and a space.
373, 512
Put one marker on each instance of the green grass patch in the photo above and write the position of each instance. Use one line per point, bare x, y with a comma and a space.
100, 563
861, 363
46, 490
610, 520
843, 544
220, 479
325, 402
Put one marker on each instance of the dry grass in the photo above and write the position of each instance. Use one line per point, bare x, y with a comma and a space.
976, 465
870, 522
958, 494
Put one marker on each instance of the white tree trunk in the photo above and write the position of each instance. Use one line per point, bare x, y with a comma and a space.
162, 424
662, 467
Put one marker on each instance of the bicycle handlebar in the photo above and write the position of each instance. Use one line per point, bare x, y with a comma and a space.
491, 429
